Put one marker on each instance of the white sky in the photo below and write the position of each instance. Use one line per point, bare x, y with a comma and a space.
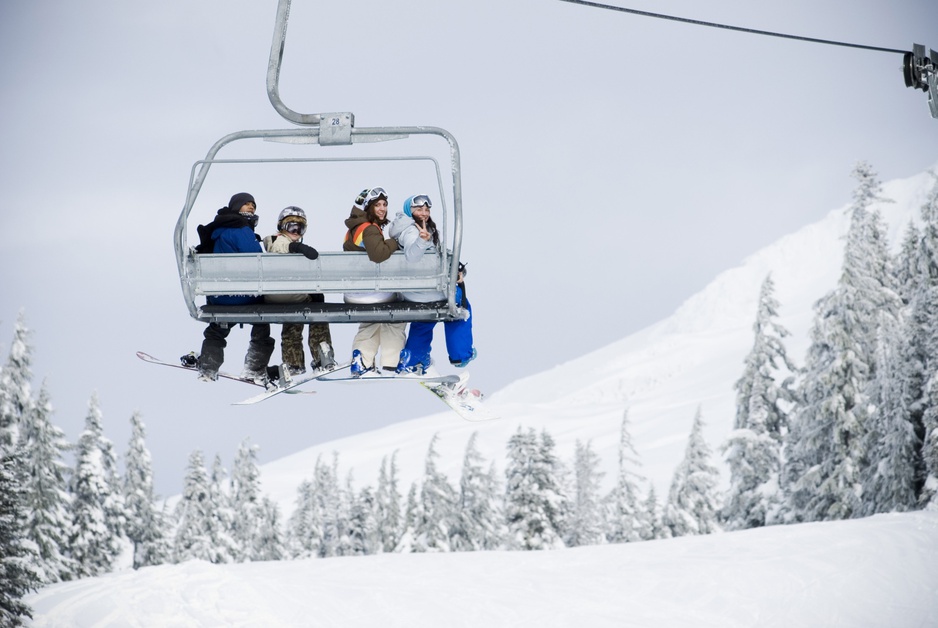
865, 573
612, 166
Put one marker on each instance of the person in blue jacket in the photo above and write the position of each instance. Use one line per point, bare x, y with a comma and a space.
416, 233
232, 231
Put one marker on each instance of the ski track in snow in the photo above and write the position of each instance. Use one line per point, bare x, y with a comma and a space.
873, 572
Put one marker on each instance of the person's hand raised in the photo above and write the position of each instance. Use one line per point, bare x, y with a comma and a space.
422, 226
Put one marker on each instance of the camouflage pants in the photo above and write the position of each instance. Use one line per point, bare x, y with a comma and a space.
291, 343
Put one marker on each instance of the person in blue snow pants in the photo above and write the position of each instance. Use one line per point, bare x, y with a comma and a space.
416, 233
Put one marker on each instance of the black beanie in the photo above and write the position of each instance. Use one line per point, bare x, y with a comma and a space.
238, 201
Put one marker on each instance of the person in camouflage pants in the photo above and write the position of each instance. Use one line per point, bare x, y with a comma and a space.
291, 225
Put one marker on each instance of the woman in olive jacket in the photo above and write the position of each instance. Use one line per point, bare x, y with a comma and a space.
365, 233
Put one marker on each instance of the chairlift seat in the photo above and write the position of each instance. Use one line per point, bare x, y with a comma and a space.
331, 273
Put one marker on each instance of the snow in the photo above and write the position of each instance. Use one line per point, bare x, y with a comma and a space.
879, 571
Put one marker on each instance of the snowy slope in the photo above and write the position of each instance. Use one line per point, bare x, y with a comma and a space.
661, 374
866, 573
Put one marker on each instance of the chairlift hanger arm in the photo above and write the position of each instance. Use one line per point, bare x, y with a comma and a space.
273, 71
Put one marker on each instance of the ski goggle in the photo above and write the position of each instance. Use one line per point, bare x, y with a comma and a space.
421, 200
250, 217
296, 228
374, 194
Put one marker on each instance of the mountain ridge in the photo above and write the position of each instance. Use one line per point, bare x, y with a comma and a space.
659, 374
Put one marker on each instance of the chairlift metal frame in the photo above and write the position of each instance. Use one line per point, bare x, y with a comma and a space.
334, 272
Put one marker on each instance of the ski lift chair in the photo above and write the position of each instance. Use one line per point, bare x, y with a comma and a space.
334, 272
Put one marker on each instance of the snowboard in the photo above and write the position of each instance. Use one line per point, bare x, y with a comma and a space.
146, 357
467, 403
287, 385
387, 376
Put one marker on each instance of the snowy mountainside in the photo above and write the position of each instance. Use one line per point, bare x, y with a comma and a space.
661, 374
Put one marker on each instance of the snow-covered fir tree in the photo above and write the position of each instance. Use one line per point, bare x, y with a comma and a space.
319, 525
245, 500
906, 266
194, 514
97, 503
821, 478
270, 543
692, 500
15, 386
924, 314
753, 448
221, 524
406, 543
625, 517
652, 527
304, 528
18, 555
388, 505
535, 506
326, 517
48, 519
478, 520
893, 448
436, 507
146, 527
584, 524
364, 536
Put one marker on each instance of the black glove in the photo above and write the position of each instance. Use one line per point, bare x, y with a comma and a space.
305, 249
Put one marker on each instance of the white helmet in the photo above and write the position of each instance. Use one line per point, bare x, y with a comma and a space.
297, 215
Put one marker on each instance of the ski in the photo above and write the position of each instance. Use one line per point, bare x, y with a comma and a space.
290, 383
146, 357
466, 402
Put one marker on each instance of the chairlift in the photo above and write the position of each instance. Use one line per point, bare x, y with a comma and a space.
334, 272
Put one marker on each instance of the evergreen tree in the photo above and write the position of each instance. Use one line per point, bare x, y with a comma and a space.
406, 543
225, 548
15, 388
907, 264
585, 523
97, 505
344, 499
245, 502
305, 527
753, 449
363, 523
436, 511
194, 514
17, 554
388, 506
625, 517
534, 502
330, 505
692, 500
894, 450
146, 528
270, 543
653, 528
477, 521
48, 521
924, 408
822, 474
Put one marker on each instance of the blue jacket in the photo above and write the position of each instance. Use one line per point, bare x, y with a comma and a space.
235, 240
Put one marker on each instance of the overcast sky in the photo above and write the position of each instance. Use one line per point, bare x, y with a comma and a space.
613, 164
